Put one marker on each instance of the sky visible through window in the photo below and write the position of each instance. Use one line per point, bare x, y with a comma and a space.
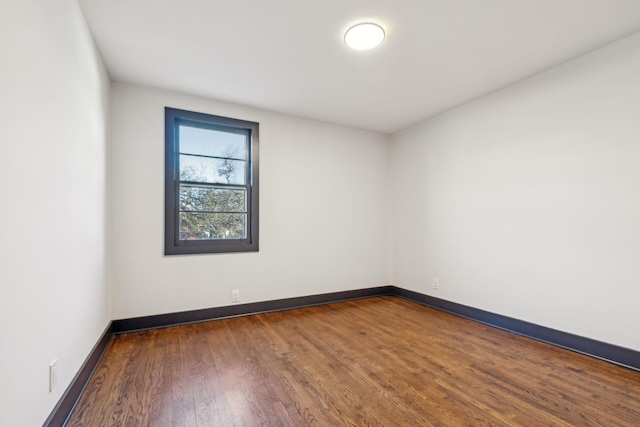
207, 155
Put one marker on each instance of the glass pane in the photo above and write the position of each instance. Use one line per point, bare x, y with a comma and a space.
209, 142
212, 226
212, 199
205, 169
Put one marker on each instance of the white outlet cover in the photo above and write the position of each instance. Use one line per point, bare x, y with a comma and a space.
53, 375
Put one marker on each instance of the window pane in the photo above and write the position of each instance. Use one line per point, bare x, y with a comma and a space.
205, 169
214, 143
212, 226
212, 199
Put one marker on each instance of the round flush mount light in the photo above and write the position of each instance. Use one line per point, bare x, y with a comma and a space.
364, 36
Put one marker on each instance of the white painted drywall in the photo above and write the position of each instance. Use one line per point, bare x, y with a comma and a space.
54, 102
323, 211
527, 202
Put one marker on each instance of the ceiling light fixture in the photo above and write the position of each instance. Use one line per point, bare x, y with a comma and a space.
364, 36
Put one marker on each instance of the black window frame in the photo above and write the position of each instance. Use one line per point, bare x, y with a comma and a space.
172, 243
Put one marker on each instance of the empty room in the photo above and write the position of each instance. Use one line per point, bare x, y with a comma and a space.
327, 213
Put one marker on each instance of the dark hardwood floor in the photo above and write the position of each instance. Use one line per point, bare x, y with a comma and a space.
378, 361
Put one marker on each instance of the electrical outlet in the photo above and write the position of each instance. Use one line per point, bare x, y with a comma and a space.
53, 375
235, 296
436, 283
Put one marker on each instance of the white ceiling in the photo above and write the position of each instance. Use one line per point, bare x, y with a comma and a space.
288, 56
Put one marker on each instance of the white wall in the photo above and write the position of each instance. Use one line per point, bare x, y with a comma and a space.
323, 211
527, 202
53, 120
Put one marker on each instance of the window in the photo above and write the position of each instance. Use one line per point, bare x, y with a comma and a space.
211, 184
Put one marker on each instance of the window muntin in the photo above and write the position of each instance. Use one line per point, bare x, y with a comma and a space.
211, 184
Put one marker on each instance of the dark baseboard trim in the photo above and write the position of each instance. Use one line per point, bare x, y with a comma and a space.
71, 395
611, 353
173, 319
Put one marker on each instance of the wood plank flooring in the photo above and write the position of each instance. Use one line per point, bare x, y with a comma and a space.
380, 361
